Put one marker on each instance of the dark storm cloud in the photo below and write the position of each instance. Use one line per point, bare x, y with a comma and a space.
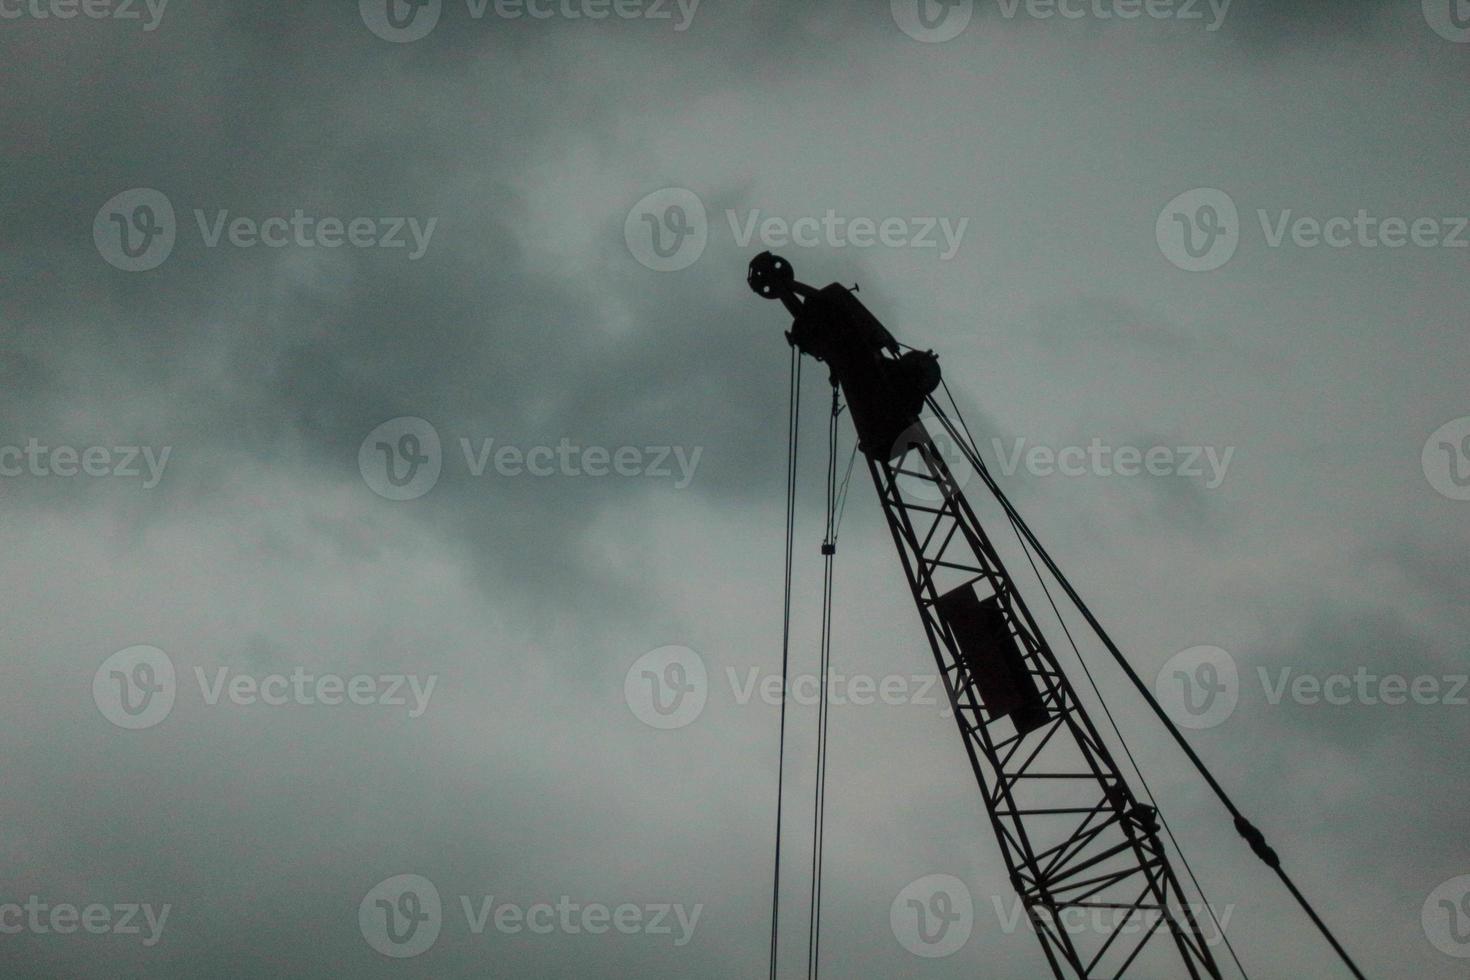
468, 337
264, 548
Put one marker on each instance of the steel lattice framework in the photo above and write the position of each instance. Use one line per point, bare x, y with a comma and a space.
1077, 843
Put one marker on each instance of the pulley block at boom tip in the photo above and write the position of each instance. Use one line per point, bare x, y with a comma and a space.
885, 387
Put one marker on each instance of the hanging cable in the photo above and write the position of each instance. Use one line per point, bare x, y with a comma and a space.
829, 550
1244, 827
793, 431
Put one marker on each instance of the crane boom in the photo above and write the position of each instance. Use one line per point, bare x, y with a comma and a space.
1083, 853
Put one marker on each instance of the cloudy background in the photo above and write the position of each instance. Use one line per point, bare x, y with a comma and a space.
1334, 542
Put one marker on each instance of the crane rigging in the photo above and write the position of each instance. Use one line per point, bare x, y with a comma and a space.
1074, 837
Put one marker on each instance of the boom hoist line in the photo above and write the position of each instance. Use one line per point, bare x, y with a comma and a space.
1074, 837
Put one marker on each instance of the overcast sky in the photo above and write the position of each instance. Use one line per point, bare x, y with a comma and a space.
1096, 221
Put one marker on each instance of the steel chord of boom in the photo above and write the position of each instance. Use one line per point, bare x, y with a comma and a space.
1084, 855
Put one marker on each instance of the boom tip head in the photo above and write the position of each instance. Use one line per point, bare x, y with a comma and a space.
770, 275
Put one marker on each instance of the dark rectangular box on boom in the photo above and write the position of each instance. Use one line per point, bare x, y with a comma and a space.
991, 657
